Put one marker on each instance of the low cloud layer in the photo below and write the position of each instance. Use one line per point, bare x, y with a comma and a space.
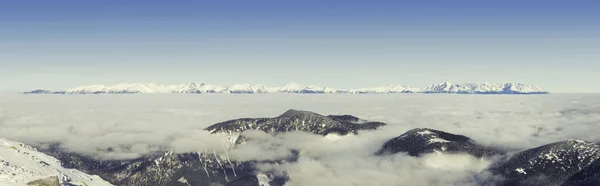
128, 126
350, 161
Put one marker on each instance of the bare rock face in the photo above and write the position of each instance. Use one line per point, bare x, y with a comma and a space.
417, 142
547, 165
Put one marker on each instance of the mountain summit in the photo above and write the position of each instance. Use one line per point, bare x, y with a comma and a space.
298, 120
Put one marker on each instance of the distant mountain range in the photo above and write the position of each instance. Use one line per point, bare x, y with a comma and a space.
193, 88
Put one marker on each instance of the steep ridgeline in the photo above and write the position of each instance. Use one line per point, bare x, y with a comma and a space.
547, 165
296, 120
193, 88
169, 169
420, 141
21, 164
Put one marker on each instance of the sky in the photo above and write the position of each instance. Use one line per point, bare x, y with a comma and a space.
342, 44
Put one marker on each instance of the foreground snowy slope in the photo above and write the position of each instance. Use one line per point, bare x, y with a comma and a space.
193, 88
21, 164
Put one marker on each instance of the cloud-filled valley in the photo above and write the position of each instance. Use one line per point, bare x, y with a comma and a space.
130, 126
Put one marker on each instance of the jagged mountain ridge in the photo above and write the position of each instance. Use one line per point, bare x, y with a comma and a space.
193, 88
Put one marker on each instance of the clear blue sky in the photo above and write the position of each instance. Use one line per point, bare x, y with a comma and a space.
347, 44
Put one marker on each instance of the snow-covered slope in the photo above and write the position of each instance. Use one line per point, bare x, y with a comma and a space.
21, 164
193, 88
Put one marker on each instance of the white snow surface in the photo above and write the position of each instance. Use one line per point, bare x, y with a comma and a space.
263, 179
521, 170
153, 88
20, 164
432, 137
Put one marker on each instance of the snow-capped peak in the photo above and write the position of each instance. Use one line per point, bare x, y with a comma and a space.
298, 88
186, 88
485, 88
247, 88
193, 88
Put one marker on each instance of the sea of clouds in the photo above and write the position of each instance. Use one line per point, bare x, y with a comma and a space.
134, 125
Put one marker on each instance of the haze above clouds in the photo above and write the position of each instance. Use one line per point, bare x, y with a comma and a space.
133, 125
